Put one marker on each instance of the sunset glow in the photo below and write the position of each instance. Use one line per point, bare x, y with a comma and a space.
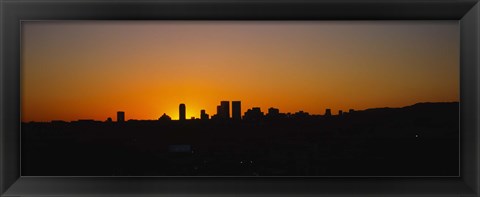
90, 70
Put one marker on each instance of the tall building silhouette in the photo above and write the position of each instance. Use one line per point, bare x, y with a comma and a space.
340, 112
203, 115
120, 116
219, 112
328, 112
225, 109
182, 112
236, 110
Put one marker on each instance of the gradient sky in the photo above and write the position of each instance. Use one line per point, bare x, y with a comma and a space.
89, 70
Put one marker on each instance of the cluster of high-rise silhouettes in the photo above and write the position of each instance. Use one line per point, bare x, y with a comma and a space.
223, 113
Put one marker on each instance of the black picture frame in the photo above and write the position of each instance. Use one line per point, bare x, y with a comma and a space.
12, 12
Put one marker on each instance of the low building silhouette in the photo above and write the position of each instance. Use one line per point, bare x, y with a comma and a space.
87, 121
301, 114
273, 113
253, 114
165, 117
328, 112
203, 115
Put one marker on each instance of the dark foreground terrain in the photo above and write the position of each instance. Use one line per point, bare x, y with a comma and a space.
418, 140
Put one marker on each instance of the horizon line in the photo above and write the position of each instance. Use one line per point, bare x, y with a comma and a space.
210, 117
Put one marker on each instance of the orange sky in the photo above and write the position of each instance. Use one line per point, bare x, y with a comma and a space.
89, 70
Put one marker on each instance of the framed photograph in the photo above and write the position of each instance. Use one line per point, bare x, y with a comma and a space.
247, 98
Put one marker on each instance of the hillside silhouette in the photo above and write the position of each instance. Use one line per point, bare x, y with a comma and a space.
417, 140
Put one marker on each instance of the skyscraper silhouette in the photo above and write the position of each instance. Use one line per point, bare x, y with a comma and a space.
182, 112
225, 109
236, 110
219, 112
120, 116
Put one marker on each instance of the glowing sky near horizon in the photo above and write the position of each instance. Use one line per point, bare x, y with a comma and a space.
92, 69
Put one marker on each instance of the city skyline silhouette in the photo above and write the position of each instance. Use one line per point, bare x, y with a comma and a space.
416, 140
223, 113
146, 68
240, 98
